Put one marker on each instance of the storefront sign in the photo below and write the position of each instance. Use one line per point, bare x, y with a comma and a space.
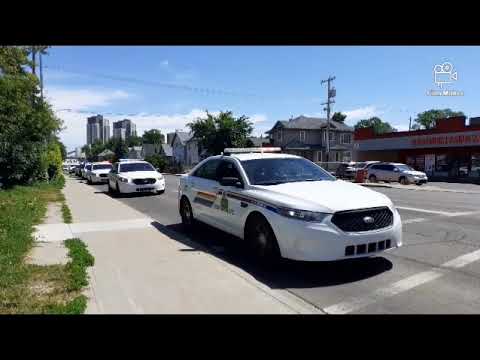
450, 139
457, 139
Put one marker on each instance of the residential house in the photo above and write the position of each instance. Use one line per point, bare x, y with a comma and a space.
162, 149
179, 145
106, 155
307, 137
135, 152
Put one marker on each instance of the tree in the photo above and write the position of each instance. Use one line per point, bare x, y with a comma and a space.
28, 127
134, 141
378, 125
339, 117
158, 161
63, 149
120, 149
427, 119
215, 133
153, 136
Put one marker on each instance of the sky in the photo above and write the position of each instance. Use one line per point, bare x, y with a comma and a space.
166, 87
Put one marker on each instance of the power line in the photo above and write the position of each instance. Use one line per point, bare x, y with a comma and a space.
201, 90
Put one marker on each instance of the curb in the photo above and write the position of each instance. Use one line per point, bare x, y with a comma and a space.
418, 189
375, 185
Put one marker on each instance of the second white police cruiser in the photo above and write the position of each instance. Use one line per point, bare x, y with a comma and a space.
286, 206
133, 176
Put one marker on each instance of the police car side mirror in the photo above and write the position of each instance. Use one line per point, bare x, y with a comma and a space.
231, 181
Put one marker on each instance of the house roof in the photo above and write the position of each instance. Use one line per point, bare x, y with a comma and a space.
167, 149
310, 123
182, 136
106, 152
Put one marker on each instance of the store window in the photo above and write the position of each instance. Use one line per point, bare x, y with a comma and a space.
420, 163
441, 165
475, 165
410, 161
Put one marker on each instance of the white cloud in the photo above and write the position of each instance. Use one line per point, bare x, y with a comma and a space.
164, 63
401, 127
258, 118
78, 99
362, 113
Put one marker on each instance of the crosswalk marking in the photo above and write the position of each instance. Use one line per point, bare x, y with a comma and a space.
401, 286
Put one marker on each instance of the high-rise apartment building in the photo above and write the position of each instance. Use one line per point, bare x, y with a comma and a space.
124, 129
98, 128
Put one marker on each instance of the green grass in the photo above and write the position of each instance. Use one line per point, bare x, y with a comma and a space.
77, 267
66, 214
33, 289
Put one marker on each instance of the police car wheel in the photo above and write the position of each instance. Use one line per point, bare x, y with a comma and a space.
262, 241
186, 214
372, 178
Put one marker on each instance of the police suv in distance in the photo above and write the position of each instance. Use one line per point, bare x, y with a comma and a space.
285, 205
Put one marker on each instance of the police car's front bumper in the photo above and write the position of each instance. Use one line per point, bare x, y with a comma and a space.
305, 241
99, 178
130, 187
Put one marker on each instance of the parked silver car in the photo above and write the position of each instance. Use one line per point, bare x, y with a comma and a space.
402, 173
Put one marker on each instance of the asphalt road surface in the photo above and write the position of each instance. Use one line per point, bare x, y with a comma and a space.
436, 271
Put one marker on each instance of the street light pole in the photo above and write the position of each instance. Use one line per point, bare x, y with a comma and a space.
330, 94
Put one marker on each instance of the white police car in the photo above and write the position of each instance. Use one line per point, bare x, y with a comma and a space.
285, 205
99, 172
135, 176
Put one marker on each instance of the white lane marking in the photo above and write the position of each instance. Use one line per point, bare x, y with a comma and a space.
417, 220
401, 286
463, 260
437, 212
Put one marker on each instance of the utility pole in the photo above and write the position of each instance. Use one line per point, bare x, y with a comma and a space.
410, 124
331, 93
41, 73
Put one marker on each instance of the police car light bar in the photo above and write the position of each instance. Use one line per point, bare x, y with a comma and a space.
251, 150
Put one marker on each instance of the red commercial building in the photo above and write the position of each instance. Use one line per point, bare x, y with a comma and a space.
449, 152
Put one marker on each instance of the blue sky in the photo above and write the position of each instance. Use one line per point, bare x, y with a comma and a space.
266, 83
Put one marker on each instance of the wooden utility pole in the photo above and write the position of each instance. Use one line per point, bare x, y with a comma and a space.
331, 93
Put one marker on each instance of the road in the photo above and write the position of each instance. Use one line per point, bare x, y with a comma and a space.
436, 271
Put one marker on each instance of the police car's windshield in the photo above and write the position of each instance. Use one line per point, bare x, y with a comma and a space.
102, 166
128, 167
279, 171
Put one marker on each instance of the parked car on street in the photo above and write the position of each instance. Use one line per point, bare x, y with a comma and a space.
346, 170
396, 172
87, 167
135, 176
99, 172
286, 206
78, 169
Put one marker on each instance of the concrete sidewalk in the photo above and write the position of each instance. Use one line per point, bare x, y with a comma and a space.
139, 267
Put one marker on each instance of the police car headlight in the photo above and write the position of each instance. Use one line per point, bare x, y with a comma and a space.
303, 215
122, 179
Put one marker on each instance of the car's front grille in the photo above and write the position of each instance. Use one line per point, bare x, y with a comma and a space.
363, 219
103, 175
143, 181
